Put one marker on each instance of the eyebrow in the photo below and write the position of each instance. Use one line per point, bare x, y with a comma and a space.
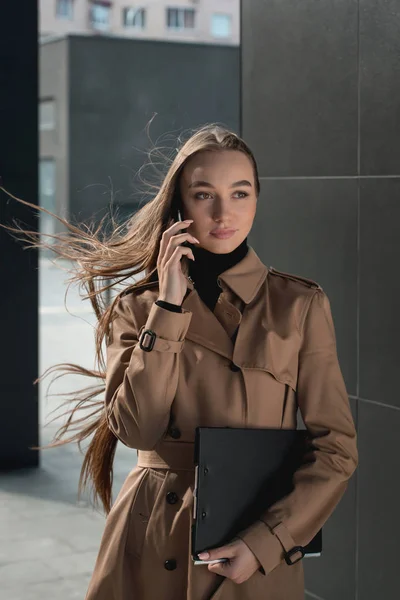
243, 182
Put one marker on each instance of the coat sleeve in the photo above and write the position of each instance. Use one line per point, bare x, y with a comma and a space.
319, 485
140, 385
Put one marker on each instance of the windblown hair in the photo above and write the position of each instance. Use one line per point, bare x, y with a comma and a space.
103, 261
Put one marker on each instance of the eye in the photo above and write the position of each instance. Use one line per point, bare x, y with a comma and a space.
200, 194
242, 194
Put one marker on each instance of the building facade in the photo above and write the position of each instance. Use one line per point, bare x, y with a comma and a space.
201, 21
93, 117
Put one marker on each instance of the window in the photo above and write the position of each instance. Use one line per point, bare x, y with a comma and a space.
221, 25
134, 17
64, 9
180, 18
46, 115
100, 15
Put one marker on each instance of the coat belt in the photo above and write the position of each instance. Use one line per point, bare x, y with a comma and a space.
174, 456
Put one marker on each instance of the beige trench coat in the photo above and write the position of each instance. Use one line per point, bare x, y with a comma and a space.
267, 349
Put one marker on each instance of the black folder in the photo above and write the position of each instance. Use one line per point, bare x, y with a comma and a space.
240, 473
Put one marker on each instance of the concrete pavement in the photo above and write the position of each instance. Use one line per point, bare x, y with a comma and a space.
49, 539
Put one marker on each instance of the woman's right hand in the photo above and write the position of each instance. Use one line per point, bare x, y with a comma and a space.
172, 281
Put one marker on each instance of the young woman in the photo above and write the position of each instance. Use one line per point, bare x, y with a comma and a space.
209, 337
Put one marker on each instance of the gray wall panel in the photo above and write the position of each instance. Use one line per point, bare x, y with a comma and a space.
378, 502
379, 290
379, 87
319, 98
299, 86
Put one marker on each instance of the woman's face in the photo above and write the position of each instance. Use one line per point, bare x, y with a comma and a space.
218, 192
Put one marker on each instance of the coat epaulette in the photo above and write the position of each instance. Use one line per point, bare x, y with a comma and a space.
308, 282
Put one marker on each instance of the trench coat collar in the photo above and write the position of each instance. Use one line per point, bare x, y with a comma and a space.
244, 279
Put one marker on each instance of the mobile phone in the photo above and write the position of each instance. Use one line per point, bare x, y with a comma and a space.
179, 218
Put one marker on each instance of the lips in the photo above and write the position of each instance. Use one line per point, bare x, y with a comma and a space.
223, 233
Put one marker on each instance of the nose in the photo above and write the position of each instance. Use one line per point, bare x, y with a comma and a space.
221, 209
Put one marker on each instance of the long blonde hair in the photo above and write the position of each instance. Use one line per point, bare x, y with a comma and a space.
105, 261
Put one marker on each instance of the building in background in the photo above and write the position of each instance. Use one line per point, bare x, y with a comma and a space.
204, 21
97, 95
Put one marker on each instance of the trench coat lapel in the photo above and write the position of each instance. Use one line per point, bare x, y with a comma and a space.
205, 329
244, 279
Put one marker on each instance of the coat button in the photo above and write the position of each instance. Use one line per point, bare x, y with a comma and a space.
175, 433
170, 565
172, 498
234, 367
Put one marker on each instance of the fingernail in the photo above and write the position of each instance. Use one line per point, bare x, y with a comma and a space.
188, 220
204, 556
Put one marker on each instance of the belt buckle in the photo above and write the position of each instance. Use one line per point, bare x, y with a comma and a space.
295, 549
152, 335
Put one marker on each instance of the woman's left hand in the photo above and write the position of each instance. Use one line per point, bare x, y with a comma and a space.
242, 562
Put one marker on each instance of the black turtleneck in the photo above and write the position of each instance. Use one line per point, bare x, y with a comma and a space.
205, 270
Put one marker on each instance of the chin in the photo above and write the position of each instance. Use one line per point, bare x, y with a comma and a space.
222, 246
